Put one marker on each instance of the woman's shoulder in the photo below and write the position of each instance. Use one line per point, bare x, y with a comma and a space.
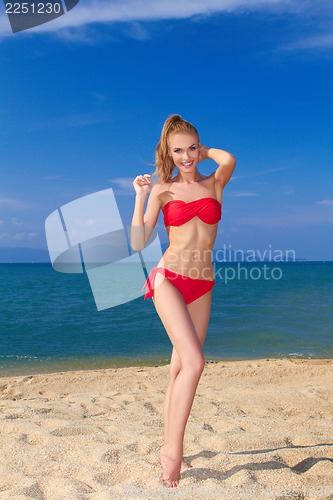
159, 187
159, 192
162, 192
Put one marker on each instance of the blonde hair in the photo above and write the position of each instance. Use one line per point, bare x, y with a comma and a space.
163, 161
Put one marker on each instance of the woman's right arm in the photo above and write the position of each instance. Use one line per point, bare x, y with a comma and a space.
143, 222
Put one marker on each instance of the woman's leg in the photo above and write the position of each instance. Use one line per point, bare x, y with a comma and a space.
175, 366
178, 323
199, 311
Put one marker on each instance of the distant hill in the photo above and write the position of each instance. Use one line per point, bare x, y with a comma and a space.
23, 255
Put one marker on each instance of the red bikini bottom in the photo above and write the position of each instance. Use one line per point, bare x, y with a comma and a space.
190, 288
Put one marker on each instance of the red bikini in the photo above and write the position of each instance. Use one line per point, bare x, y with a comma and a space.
177, 213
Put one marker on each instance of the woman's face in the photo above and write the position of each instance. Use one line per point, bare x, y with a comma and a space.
184, 149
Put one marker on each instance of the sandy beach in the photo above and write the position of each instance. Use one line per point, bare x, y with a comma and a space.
258, 429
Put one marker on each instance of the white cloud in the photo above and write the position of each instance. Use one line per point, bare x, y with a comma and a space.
288, 190
316, 42
20, 236
16, 222
54, 178
13, 203
82, 120
123, 182
129, 11
261, 173
328, 203
239, 194
315, 18
69, 121
32, 235
318, 16
104, 11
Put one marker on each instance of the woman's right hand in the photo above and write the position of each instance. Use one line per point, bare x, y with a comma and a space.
142, 184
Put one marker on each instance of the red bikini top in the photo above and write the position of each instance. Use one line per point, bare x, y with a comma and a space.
178, 212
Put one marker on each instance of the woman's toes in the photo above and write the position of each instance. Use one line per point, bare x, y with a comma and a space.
171, 469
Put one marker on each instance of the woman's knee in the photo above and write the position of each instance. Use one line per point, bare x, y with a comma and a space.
201, 364
195, 365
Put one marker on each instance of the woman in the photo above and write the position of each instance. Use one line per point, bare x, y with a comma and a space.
181, 284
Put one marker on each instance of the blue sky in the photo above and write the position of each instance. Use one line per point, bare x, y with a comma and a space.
83, 99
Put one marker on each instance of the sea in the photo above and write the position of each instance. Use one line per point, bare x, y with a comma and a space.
49, 321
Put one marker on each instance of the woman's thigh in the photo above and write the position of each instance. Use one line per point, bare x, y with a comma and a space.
177, 321
199, 312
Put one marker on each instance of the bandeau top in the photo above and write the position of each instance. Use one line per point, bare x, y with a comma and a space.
178, 212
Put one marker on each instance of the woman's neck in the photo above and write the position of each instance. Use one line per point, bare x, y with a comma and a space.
190, 178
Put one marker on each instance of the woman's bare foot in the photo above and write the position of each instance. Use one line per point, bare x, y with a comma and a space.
171, 469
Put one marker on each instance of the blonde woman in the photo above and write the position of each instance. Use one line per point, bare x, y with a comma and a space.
181, 283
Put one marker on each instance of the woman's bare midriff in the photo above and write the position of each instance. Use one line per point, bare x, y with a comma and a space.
193, 258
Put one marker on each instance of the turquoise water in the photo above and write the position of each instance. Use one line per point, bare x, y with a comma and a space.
49, 321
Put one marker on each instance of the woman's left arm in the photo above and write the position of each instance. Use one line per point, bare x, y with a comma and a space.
226, 163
